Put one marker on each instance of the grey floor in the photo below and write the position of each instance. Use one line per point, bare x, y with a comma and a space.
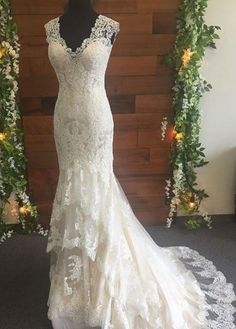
24, 267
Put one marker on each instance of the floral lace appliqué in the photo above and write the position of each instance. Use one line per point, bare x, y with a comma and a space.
103, 30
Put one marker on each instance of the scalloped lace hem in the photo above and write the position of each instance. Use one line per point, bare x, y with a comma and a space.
219, 294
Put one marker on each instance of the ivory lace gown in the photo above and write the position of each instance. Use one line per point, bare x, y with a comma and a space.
105, 268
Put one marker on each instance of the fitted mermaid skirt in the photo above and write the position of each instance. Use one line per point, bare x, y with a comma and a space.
105, 269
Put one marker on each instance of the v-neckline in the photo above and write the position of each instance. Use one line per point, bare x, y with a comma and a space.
84, 43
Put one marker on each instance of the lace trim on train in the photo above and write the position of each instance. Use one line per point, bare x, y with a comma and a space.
219, 293
103, 29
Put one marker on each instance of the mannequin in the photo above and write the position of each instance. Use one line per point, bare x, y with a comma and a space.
77, 21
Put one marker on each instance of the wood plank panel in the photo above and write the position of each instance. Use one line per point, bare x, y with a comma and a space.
56, 6
138, 120
39, 143
39, 125
128, 65
133, 66
153, 216
132, 156
29, 105
153, 103
145, 168
130, 23
122, 103
36, 67
44, 178
150, 137
164, 22
157, 5
139, 85
125, 139
143, 44
143, 185
33, 25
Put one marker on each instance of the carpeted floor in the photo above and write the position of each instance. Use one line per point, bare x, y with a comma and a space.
25, 265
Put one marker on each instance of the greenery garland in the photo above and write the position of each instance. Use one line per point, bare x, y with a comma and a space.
12, 158
187, 153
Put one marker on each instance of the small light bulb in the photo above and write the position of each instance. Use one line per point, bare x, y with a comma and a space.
191, 205
2, 136
23, 210
179, 136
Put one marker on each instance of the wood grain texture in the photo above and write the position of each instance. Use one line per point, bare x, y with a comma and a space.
164, 22
56, 6
33, 25
138, 87
157, 5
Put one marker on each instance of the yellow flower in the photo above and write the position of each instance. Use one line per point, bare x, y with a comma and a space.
24, 209
192, 205
186, 57
179, 136
2, 136
2, 52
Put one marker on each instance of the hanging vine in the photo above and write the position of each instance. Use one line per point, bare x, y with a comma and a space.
187, 153
13, 184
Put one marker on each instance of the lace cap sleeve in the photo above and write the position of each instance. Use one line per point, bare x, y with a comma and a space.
112, 27
50, 30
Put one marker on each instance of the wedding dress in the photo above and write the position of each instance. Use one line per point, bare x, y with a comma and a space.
105, 269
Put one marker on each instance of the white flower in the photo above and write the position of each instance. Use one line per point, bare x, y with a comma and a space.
6, 44
164, 124
9, 77
15, 86
169, 222
207, 219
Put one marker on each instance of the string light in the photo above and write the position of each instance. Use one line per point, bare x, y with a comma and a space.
2, 52
2, 136
24, 209
179, 136
192, 203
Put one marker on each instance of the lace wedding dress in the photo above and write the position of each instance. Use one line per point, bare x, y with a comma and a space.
105, 269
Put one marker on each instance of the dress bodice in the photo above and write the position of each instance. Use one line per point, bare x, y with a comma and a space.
86, 65
83, 122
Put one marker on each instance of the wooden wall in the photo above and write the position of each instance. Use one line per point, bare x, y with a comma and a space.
138, 88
